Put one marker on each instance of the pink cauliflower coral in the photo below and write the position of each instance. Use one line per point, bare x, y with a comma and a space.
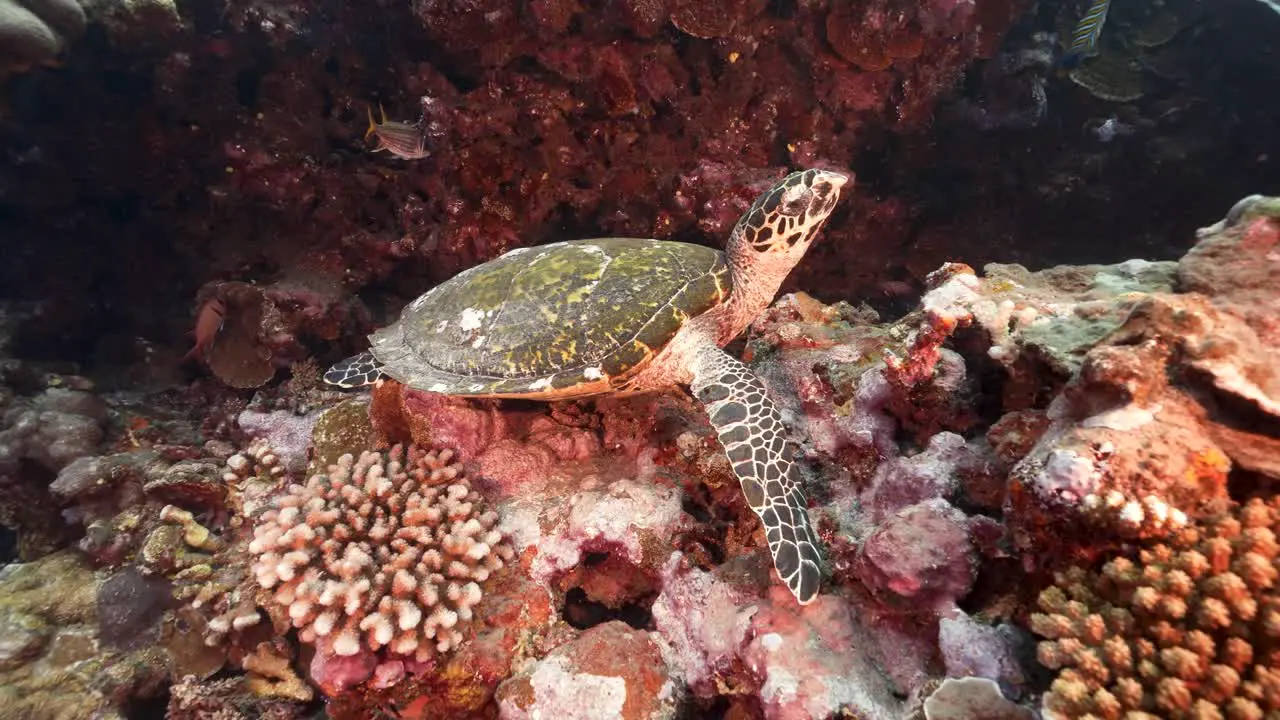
386, 552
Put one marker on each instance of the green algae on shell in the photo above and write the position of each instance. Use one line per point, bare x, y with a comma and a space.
515, 327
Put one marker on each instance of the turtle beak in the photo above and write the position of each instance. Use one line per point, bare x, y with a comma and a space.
826, 190
833, 180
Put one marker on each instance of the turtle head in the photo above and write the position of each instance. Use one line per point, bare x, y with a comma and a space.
786, 218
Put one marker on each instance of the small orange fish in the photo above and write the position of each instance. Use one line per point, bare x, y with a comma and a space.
401, 139
209, 322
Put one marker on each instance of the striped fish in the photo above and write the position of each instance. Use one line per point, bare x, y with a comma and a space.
401, 139
1085, 37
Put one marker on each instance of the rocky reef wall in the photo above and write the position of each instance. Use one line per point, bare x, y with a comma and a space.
223, 141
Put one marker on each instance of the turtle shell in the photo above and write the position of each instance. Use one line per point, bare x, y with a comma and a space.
561, 320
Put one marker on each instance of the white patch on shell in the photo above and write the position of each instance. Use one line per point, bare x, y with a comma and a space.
478, 341
475, 387
438, 387
593, 373
542, 384
470, 319
443, 323
607, 260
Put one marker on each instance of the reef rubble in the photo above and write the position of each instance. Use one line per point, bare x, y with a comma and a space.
1040, 491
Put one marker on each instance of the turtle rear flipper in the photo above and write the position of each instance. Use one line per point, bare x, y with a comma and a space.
750, 428
355, 371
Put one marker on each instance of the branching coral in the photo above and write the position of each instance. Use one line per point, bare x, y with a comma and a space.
193, 533
271, 674
221, 590
386, 551
215, 580
1191, 630
252, 475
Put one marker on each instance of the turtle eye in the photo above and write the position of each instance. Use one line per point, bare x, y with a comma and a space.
794, 202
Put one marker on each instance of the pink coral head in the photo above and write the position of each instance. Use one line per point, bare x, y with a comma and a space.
787, 217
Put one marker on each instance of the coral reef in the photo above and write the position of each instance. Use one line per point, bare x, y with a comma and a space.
591, 503
132, 637
40, 435
1185, 629
215, 583
384, 552
55, 428
1145, 420
813, 663
1081, 185
59, 659
582, 679
971, 648
896, 567
1008, 424
253, 542
271, 675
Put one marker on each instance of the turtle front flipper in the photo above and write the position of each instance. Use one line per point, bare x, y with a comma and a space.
750, 428
356, 371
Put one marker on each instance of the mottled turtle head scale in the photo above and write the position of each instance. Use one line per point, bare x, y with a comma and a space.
782, 222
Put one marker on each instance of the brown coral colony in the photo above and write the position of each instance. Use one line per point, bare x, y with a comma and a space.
382, 552
1190, 630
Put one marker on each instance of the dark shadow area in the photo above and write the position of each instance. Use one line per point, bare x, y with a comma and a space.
604, 587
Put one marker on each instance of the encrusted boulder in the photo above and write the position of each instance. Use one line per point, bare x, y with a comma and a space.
610, 670
58, 659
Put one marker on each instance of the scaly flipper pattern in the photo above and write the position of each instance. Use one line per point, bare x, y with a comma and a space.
356, 371
750, 428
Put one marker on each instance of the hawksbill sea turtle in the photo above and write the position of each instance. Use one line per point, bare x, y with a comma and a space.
609, 315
